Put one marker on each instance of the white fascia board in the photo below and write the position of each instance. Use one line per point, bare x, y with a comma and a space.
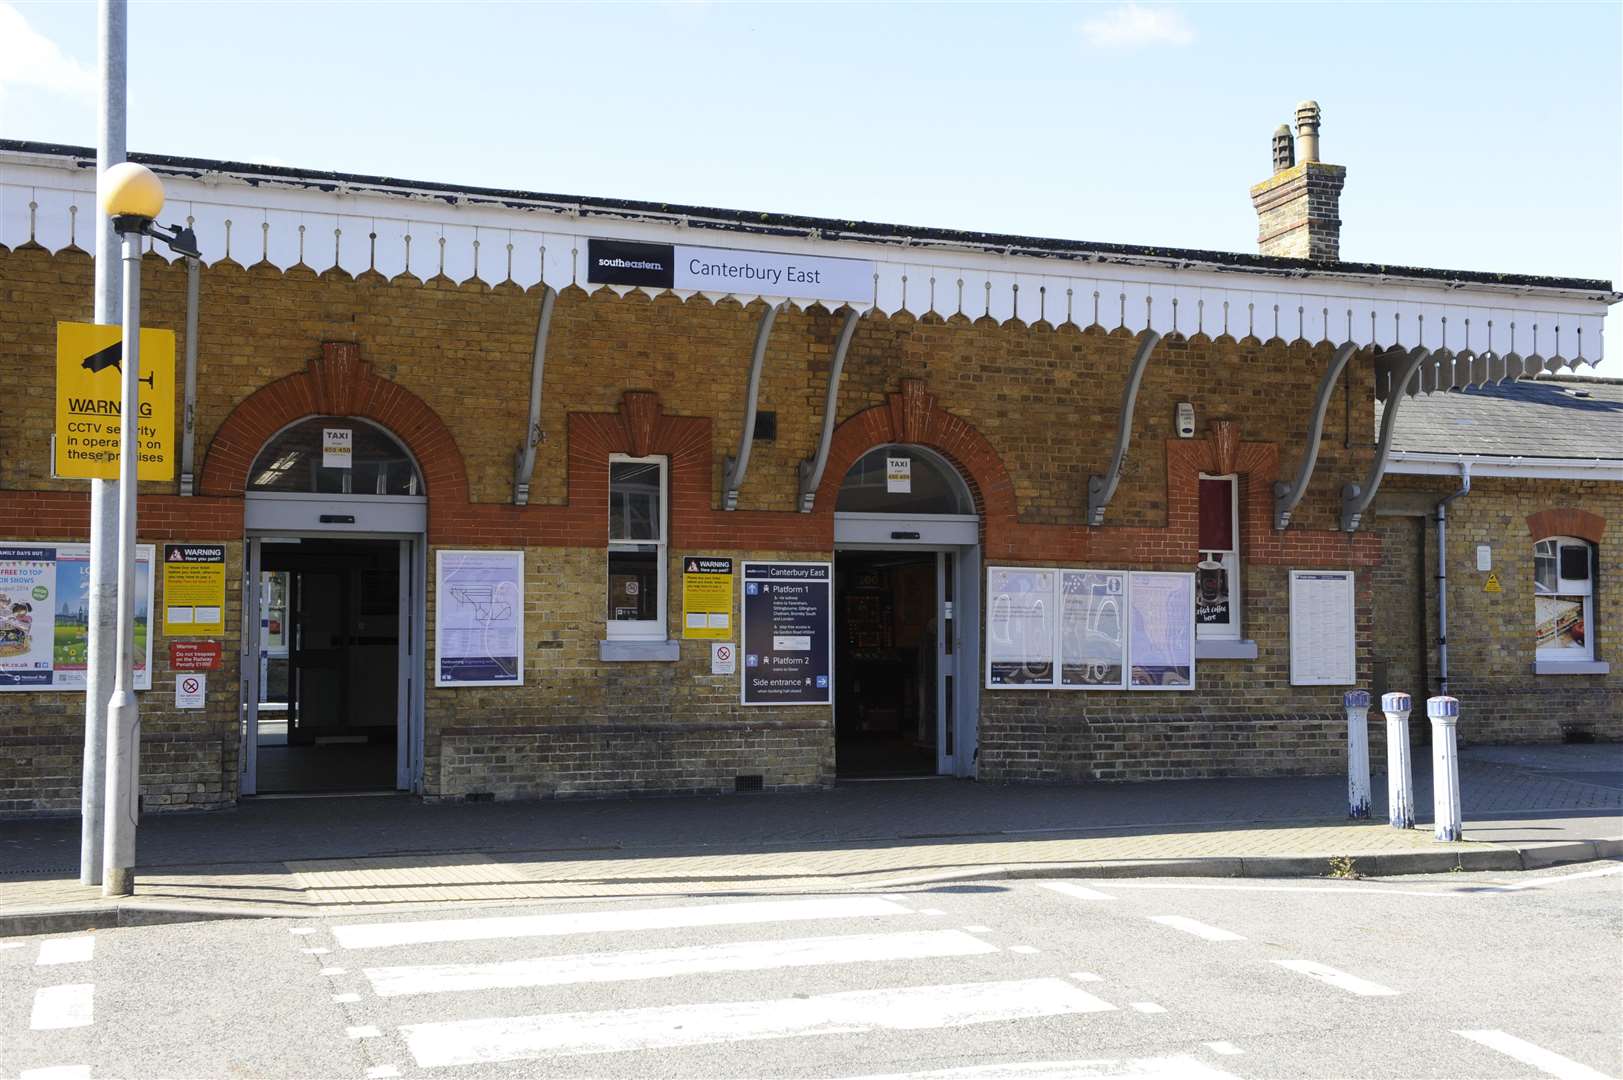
1420, 463
50, 200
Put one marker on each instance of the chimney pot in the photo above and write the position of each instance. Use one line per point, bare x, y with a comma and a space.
1299, 206
1307, 129
1284, 148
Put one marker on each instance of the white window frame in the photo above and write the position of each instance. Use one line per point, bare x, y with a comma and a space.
654, 629
1567, 589
1230, 559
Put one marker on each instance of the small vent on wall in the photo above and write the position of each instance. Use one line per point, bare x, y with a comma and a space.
766, 424
479, 796
747, 783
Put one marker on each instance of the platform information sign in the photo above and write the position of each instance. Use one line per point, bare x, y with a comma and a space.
479, 618
89, 388
788, 633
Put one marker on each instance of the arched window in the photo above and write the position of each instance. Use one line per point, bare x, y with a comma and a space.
1564, 599
335, 455
903, 480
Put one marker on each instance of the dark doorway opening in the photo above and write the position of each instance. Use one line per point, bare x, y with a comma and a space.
329, 666
887, 694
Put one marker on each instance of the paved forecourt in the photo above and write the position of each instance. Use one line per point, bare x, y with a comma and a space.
1442, 977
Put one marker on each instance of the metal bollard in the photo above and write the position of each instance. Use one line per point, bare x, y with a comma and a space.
1445, 766
1356, 702
1399, 769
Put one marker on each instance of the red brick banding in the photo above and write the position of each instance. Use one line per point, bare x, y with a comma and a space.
1566, 521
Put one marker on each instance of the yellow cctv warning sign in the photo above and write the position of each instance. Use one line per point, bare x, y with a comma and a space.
1492, 584
89, 384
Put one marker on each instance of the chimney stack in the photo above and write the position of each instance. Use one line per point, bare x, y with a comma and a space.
1299, 207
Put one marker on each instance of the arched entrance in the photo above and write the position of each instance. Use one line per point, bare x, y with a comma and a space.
332, 602
906, 617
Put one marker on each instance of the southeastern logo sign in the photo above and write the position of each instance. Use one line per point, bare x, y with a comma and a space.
727, 270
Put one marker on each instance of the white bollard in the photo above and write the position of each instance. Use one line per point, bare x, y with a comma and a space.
1399, 769
1356, 702
1445, 766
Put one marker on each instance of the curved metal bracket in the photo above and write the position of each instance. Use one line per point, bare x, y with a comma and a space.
1101, 489
524, 460
1286, 496
811, 470
737, 465
1355, 498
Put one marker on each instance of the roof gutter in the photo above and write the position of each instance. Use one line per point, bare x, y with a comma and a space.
1425, 463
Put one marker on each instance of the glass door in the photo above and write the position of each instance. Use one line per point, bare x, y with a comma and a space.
946, 662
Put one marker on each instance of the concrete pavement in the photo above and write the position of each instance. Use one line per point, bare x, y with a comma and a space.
1524, 807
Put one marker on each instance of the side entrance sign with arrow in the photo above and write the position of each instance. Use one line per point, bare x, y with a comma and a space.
89, 366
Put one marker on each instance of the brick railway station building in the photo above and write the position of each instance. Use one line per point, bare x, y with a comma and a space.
521, 495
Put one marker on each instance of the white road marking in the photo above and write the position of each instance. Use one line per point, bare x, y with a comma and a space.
345, 999
978, 929
382, 1072
57, 1072
602, 967
1545, 1061
1226, 1048
380, 935
12, 944
334, 971
68, 950
1087, 976
469, 1042
317, 951
364, 1031
301, 929
1148, 1007
1197, 928
1339, 979
931, 911
1024, 950
1167, 1068
66, 1006
1538, 883
1071, 888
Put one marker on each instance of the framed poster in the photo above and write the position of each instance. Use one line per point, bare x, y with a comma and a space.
1092, 629
1324, 640
193, 590
45, 616
1020, 625
479, 618
788, 633
1161, 617
707, 597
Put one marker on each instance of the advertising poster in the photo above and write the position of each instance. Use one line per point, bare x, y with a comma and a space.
479, 618
1020, 627
1093, 620
788, 633
45, 616
1162, 631
1323, 638
707, 597
193, 590
1212, 589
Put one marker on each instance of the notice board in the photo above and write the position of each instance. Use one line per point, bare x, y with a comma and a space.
1323, 631
788, 633
479, 618
193, 590
707, 597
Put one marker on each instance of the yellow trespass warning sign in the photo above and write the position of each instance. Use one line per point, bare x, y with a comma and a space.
89, 374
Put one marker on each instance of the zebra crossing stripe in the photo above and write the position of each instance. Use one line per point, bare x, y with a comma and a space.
381, 935
63, 1006
602, 967
516, 1038
1165, 1068
72, 950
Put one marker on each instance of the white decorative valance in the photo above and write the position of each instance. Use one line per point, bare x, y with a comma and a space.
49, 200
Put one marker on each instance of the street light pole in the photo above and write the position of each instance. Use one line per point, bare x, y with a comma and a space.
123, 713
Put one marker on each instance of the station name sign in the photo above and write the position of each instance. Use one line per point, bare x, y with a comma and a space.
728, 270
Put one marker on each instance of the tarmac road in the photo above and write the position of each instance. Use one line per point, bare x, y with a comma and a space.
1463, 975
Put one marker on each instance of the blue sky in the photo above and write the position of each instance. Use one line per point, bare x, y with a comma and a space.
1483, 137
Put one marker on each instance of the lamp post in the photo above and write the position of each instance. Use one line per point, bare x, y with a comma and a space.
132, 196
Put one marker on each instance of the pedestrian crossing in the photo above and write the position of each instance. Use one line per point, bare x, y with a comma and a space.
709, 978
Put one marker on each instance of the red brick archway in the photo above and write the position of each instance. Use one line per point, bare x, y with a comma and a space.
339, 383
1566, 521
912, 416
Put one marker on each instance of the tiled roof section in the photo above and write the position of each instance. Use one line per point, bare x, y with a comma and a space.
1544, 417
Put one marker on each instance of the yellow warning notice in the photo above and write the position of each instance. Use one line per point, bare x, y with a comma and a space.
707, 597
193, 590
1492, 584
89, 389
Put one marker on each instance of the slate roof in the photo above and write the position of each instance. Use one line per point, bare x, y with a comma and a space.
1548, 417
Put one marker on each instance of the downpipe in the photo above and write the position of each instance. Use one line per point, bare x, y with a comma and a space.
1442, 577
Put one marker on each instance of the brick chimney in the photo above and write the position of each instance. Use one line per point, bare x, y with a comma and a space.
1299, 207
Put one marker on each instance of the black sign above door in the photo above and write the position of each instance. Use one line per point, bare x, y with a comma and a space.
625, 262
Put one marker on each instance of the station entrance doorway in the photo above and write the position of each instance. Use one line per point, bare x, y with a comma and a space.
332, 628
906, 618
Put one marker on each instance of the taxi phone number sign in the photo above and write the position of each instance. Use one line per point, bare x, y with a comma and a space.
89, 390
